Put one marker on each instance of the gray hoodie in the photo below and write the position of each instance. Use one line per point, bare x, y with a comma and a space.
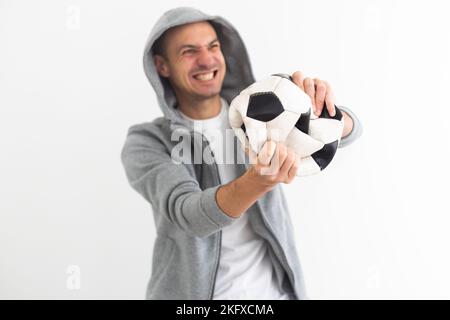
187, 218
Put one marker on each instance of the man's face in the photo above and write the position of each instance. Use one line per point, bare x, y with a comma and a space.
193, 61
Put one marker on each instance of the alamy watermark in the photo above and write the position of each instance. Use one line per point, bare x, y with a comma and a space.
73, 281
73, 17
221, 147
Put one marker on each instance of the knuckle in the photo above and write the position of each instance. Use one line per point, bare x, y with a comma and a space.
265, 173
297, 77
276, 170
297, 74
270, 146
291, 157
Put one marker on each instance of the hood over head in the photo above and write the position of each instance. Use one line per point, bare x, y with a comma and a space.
238, 74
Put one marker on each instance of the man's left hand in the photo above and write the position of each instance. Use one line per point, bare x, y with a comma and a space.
318, 90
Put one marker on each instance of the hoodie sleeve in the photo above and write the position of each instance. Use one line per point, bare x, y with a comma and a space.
169, 187
356, 130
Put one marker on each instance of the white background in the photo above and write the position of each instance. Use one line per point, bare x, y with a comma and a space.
373, 225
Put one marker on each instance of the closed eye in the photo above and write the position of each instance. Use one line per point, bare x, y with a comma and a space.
188, 52
214, 45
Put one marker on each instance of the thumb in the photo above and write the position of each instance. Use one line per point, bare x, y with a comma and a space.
267, 152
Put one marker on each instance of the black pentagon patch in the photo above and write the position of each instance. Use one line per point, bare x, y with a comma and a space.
324, 156
264, 106
302, 123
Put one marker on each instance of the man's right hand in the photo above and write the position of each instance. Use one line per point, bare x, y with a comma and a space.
274, 164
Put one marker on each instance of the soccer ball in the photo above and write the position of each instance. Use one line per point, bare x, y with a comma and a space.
277, 109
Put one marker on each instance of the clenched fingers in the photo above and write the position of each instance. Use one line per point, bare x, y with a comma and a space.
298, 78
321, 91
308, 84
288, 169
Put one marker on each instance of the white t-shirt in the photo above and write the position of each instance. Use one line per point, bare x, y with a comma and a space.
245, 268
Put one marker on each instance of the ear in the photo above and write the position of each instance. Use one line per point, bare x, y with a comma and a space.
161, 66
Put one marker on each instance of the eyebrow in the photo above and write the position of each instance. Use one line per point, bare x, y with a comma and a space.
191, 46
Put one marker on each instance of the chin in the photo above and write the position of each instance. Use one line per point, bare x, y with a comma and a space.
209, 95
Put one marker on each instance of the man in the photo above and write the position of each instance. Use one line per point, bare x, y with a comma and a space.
223, 231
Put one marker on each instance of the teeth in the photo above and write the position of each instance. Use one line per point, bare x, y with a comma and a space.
205, 76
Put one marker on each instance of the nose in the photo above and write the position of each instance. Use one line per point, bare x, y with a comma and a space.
205, 58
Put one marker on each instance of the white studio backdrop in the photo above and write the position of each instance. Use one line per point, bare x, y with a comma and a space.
373, 225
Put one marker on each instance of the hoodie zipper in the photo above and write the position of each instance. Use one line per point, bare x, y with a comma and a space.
218, 241
219, 237
284, 261
269, 229
219, 245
